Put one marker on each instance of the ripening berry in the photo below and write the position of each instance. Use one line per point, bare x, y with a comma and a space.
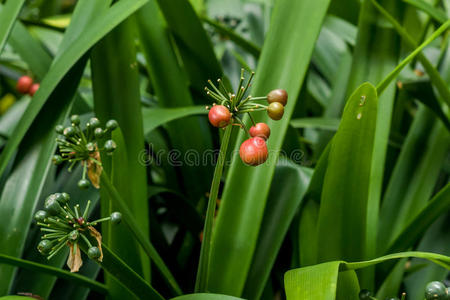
435, 290
116, 217
111, 125
275, 111
33, 89
254, 151
261, 130
40, 216
83, 184
94, 253
277, 95
44, 247
24, 84
219, 116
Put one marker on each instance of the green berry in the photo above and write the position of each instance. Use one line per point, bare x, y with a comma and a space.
57, 159
59, 129
73, 235
98, 132
435, 290
391, 298
111, 125
275, 110
110, 146
40, 215
94, 122
116, 217
69, 131
75, 119
61, 198
94, 253
365, 294
52, 206
66, 197
83, 184
90, 147
44, 247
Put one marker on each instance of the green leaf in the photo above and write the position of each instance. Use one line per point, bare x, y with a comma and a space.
33, 266
97, 29
322, 281
342, 218
319, 123
8, 15
286, 194
283, 64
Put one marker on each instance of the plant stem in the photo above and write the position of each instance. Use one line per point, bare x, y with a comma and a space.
387, 80
203, 267
136, 231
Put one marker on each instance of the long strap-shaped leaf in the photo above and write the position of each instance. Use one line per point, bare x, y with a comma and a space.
98, 28
136, 231
33, 266
8, 16
320, 282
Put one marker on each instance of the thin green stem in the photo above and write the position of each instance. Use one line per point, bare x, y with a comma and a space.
391, 76
205, 252
143, 240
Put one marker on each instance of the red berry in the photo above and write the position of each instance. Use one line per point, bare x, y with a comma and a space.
261, 130
254, 151
33, 89
24, 84
219, 116
278, 95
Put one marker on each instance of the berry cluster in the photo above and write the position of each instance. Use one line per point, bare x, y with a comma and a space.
25, 85
77, 145
63, 226
227, 110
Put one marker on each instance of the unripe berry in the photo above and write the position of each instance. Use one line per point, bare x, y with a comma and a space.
69, 131
254, 151
435, 290
40, 215
111, 125
90, 147
57, 159
278, 95
59, 129
110, 146
116, 217
60, 198
75, 119
365, 294
83, 184
275, 110
44, 247
66, 197
24, 84
33, 89
219, 116
98, 133
94, 253
94, 122
261, 130
52, 206
73, 235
